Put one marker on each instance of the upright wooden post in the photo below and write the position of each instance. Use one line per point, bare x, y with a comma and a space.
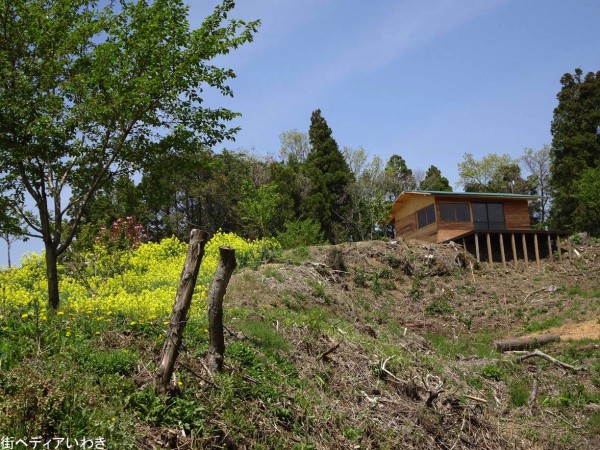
489, 247
524, 242
178, 320
536, 247
550, 255
477, 246
570, 248
514, 248
558, 247
218, 287
464, 245
502, 251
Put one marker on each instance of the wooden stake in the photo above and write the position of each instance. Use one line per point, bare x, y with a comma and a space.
489, 247
570, 248
218, 287
558, 247
477, 246
502, 251
524, 242
537, 249
183, 301
550, 255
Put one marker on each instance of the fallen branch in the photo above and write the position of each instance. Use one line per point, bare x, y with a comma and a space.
330, 351
525, 343
433, 385
393, 377
549, 358
532, 403
477, 399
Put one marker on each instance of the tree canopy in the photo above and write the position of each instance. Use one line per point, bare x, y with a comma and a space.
575, 146
329, 177
87, 93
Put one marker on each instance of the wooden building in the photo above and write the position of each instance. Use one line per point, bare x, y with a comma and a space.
491, 226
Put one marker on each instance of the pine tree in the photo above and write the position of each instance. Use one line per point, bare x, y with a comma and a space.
329, 176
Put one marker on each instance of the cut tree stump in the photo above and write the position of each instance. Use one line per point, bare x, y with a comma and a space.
183, 301
218, 287
525, 343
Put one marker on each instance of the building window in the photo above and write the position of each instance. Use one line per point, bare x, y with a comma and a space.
455, 212
488, 216
426, 216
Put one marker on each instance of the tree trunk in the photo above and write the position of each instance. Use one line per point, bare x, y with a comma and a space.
52, 276
525, 343
216, 349
183, 301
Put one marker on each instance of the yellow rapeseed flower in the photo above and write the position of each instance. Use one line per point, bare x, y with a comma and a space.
60, 313
24, 316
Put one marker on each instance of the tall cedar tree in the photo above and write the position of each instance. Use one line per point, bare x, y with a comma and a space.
87, 92
575, 144
329, 177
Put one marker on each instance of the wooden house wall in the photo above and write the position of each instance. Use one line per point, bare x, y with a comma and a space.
406, 225
516, 216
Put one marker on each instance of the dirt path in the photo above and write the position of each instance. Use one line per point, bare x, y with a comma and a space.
577, 331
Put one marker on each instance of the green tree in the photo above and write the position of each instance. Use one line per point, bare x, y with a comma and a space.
294, 146
587, 196
329, 176
85, 92
575, 144
435, 181
398, 177
260, 209
493, 173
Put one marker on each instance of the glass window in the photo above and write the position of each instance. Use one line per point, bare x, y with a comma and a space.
426, 216
488, 216
455, 212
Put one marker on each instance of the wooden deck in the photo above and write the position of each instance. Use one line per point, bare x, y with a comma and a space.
516, 246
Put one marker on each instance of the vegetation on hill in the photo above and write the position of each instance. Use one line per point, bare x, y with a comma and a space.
360, 345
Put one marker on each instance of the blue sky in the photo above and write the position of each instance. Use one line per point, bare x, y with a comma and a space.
428, 80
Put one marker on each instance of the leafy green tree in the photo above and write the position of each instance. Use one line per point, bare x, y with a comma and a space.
587, 196
493, 173
327, 202
435, 181
260, 209
294, 147
85, 93
398, 177
575, 144
300, 233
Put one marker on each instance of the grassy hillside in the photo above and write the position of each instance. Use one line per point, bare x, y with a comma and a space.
361, 345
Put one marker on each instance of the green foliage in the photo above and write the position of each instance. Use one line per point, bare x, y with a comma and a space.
587, 197
260, 209
434, 181
575, 150
518, 392
329, 177
544, 324
301, 233
491, 372
87, 96
439, 306
493, 173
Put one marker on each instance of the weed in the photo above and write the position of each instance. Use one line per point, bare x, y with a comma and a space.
550, 322
518, 392
438, 307
360, 277
491, 372
416, 293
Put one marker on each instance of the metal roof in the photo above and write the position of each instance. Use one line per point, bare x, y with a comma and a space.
475, 194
